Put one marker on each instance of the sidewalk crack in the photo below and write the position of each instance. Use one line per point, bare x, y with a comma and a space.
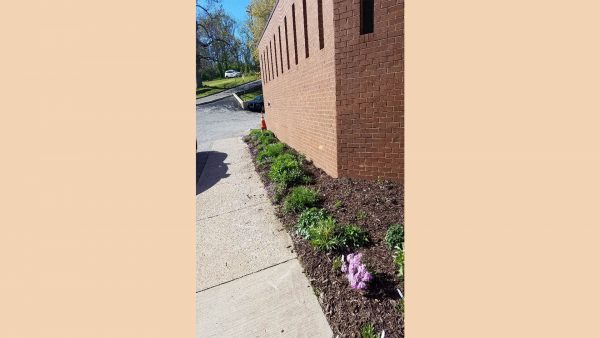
248, 274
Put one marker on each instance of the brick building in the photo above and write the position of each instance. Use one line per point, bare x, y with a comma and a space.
332, 73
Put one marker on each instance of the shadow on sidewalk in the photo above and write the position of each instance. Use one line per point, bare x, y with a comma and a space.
216, 170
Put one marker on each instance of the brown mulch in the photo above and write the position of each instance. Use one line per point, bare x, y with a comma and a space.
373, 205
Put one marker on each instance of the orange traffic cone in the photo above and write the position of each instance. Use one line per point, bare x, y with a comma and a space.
263, 124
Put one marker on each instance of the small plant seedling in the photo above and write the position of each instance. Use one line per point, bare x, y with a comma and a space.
368, 331
316, 291
336, 266
399, 261
338, 204
361, 215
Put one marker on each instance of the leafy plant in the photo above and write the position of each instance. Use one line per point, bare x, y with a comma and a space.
399, 261
368, 331
270, 152
323, 235
361, 215
357, 273
286, 170
265, 139
308, 219
394, 237
337, 263
353, 236
299, 199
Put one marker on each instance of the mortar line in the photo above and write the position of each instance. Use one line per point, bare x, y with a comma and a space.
248, 274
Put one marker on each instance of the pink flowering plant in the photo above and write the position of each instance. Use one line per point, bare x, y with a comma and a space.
356, 272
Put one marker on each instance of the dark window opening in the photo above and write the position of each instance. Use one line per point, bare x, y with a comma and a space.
320, 18
267, 65
304, 14
367, 16
262, 64
294, 28
280, 49
287, 50
276, 66
271, 59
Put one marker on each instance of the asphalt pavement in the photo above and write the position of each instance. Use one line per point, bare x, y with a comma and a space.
220, 120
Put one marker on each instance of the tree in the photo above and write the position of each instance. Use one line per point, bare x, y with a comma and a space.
258, 15
211, 28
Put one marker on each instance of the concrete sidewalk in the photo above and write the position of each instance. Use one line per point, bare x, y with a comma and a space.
249, 281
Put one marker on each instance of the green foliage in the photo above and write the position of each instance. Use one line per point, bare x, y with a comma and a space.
270, 151
368, 331
308, 219
258, 15
399, 261
361, 215
394, 237
299, 199
286, 170
338, 204
337, 264
353, 236
400, 307
324, 236
265, 138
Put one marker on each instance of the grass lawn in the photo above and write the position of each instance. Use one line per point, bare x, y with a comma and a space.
250, 95
219, 85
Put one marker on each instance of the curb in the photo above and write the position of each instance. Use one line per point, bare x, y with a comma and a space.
239, 100
259, 83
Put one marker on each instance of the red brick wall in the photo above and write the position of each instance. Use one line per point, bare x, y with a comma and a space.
369, 91
343, 106
300, 104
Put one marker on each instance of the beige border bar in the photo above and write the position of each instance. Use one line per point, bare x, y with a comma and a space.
97, 174
502, 169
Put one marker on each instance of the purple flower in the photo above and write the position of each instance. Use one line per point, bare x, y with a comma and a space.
356, 272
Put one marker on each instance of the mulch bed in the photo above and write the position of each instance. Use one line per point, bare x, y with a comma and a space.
373, 205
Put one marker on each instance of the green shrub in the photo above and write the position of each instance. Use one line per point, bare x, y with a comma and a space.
286, 170
394, 237
361, 215
309, 218
368, 331
254, 134
399, 261
324, 236
265, 138
299, 199
270, 151
353, 236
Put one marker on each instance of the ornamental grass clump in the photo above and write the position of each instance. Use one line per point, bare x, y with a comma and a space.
299, 199
356, 272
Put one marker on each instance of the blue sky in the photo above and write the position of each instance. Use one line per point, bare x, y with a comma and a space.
236, 8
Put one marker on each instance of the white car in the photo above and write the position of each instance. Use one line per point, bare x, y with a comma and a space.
232, 73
